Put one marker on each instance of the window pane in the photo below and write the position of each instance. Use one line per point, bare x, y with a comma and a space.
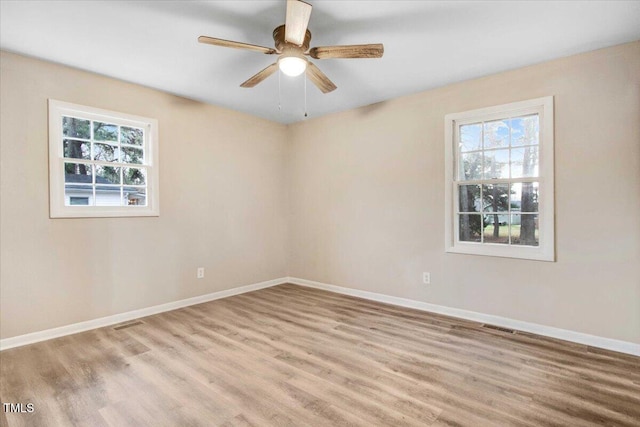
78, 194
80, 173
524, 162
470, 166
135, 196
524, 197
106, 152
496, 134
77, 149
78, 181
496, 228
105, 131
133, 136
108, 196
495, 197
135, 176
470, 227
132, 155
79, 201
524, 230
76, 128
107, 175
525, 130
496, 164
471, 137
469, 198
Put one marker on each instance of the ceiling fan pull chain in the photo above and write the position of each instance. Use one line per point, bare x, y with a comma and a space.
279, 92
305, 96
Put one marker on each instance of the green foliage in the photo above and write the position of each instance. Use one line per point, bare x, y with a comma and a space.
76, 128
77, 149
134, 176
110, 173
495, 198
105, 131
133, 136
132, 155
70, 168
472, 165
105, 152
77, 169
470, 227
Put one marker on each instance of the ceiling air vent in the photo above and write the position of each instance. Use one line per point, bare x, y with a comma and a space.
498, 328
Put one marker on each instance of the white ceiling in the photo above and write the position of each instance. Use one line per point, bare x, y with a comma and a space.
427, 44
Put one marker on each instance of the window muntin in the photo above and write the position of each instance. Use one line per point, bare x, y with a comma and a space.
108, 159
99, 152
500, 181
497, 195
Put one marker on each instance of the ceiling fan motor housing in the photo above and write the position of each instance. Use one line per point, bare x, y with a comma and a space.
281, 44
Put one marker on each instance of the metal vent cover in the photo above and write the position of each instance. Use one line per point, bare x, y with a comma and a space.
499, 328
128, 325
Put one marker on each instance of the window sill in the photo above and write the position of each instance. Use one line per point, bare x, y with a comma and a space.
536, 253
103, 212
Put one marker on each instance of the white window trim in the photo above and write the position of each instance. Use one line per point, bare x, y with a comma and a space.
545, 251
57, 207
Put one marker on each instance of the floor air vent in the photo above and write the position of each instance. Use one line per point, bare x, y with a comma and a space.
128, 325
499, 328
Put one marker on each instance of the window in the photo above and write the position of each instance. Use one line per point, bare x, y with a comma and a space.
101, 163
499, 181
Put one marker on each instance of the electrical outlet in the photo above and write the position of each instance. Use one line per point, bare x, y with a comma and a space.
200, 273
426, 278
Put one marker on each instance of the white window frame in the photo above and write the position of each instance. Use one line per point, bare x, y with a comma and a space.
57, 207
545, 251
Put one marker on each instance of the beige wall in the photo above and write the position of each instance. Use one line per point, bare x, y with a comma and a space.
222, 192
367, 195
353, 199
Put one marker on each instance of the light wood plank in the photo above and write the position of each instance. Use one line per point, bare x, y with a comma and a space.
296, 356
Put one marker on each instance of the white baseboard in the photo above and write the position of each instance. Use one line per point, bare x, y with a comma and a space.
548, 331
74, 328
563, 334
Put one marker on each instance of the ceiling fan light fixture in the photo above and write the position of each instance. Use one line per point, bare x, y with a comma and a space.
292, 65
292, 46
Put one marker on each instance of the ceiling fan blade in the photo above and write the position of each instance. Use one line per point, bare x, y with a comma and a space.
296, 21
260, 76
319, 79
237, 45
348, 51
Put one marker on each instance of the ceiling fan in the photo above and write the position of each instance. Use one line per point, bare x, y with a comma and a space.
292, 45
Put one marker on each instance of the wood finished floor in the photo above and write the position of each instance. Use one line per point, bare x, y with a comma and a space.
293, 356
